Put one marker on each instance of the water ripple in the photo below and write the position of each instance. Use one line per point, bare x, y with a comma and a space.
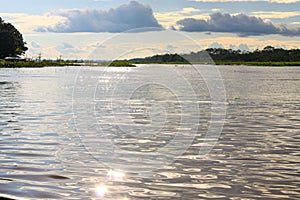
256, 157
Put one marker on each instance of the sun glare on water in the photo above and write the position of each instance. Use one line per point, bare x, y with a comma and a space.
115, 175
101, 191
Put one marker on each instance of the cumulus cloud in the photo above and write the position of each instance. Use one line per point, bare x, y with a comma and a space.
216, 45
242, 47
241, 24
124, 18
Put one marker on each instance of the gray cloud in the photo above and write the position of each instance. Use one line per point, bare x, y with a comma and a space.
124, 18
241, 24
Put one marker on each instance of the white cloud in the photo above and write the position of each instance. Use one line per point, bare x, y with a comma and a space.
259, 42
26, 23
34, 45
216, 45
124, 18
169, 19
244, 47
275, 15
68, 50
66, 45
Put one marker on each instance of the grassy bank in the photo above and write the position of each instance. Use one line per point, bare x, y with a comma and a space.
34, 64
121, 64
110, 64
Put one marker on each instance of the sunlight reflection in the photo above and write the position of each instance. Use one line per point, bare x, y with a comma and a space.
115, 175
101, 190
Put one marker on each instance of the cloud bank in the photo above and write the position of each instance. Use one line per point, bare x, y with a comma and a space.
138, 17
124, 18
241, 24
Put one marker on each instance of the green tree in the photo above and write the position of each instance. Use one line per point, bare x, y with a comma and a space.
11, 40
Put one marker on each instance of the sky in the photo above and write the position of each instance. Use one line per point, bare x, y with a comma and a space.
116, 29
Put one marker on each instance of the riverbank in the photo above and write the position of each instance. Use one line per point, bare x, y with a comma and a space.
266, 64
35, 64
278, 64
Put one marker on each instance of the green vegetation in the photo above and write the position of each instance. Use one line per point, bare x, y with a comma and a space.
49, 63
160, 59
269, 56
32, 64
121, 63
11, 41
116, 63
278, 64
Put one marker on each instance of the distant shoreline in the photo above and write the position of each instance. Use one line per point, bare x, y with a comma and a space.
278, 64
49, 63
266, 64
36, 64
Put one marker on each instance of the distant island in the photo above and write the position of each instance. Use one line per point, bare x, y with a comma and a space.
268, 56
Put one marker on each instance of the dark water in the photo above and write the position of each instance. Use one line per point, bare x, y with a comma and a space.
67, 133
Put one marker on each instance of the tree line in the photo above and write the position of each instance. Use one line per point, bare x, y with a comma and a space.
267, 54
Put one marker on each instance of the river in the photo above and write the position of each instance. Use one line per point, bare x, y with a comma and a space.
150, 132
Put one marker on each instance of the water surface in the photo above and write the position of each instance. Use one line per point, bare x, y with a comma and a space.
52, 147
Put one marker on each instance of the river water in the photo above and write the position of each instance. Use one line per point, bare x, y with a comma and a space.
150, 132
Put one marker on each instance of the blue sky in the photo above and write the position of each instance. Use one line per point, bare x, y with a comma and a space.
75, 28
